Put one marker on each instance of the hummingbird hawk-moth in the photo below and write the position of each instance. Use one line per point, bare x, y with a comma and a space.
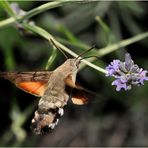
54, 88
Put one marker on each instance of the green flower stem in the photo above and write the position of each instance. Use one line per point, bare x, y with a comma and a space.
47, 6
51, 58
7, 7
7, 22
123, 43
44, 33
49, 37
106, 50
78, 44
34, 11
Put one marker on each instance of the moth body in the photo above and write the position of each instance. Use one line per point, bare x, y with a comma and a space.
50, 107
51, 86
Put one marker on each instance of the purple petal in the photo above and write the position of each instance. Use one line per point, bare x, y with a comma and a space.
128, 61
119, 85
126, 73
142, 76
113, 67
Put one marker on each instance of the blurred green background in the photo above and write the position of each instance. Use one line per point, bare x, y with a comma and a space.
111, 119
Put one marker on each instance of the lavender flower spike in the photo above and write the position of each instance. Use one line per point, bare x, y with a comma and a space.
113, 67
126, 73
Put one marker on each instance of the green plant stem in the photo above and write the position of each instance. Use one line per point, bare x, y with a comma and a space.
123, 43
35, 11
7, 22
44, 33
106, 50
49, 37
7, 7
78, 45
47, 6
51, 58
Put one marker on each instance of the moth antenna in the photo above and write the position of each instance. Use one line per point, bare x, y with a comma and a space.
82, 53
58, 48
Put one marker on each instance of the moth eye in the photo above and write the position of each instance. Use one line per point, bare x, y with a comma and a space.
77, 64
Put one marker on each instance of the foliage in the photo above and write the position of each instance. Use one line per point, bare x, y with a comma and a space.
112, 119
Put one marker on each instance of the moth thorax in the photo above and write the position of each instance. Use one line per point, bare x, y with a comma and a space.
45, 120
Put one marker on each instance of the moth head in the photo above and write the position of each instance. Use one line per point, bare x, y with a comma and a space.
71, 69
73, 64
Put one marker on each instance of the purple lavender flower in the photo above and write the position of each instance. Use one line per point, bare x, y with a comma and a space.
113, 67
16, 9
119, 84
126, 73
